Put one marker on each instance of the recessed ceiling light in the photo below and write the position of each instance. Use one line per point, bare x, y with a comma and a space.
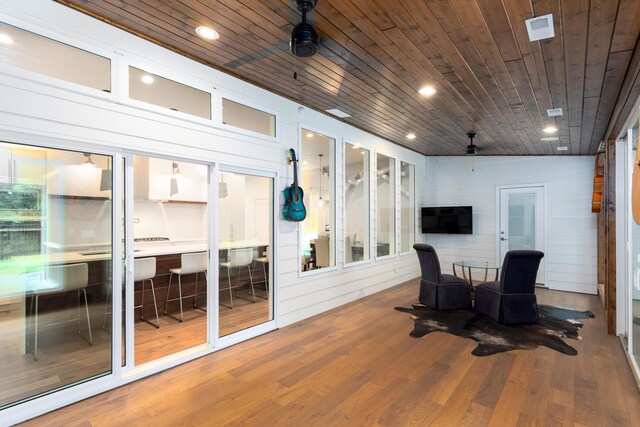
309, 135
427, 91
540, 27
550, 129
411, 136
338, 113
553, 112
146, 79
207, 33
304, 162
562, 148
549, 138
5, 39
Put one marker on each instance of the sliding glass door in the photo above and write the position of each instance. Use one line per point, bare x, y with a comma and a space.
167, 257
56, 216
245, 243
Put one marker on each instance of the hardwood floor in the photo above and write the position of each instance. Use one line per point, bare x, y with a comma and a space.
357, 365
65, 357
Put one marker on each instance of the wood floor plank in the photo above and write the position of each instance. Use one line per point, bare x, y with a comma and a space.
357, 365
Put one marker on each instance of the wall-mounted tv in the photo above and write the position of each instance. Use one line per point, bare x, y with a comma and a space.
447, 220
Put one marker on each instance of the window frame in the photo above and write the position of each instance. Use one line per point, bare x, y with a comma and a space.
415, 213
33, 76
223, 94
370, 210
396, 230
333, 233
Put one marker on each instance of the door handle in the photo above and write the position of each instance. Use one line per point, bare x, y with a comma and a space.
503, 239
127, 262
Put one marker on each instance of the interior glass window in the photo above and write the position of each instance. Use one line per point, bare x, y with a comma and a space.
32, 52
160, 91
248, 118
407, 207
318, 179
356, 200
385, 205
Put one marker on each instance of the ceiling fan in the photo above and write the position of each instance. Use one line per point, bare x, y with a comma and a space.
304, 39
472, 149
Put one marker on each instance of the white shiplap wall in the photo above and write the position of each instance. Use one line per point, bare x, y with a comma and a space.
571, 228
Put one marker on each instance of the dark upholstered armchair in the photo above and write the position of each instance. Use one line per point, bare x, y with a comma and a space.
513, 298
437, 290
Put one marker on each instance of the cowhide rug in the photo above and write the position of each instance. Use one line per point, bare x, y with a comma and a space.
492, 337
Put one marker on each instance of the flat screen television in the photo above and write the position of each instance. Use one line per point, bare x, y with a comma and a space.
447, 220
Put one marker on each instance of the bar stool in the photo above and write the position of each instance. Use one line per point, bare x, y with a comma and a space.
239, 258
145, 269
68, 278
192, 263
264, 261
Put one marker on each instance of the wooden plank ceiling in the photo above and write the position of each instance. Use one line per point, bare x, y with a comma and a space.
376, 54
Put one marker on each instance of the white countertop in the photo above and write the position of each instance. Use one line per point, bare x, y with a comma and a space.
148, 249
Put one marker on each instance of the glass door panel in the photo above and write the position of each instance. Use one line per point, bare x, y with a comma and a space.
245, 232
55, 269
522, 222
169, 260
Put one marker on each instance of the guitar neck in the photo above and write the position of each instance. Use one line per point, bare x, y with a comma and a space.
295, 175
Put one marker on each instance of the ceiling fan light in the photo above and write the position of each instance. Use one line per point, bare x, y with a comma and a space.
304, 40
471, 150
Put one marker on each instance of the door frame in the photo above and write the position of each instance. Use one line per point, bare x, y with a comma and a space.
544, 220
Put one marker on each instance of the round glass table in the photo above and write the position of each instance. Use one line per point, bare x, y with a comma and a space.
467, 266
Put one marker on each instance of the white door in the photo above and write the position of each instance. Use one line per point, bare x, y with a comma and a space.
521, 224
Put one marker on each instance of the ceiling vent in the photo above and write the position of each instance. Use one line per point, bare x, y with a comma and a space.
562, 148
553, 112
540, 27
338, 113
304, 39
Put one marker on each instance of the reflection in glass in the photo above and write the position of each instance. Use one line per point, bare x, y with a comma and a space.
157, 90
248, 118
20, 48
356, 199
407, 207
245, 233
55, 264
385, 205
317, 178
170, 229
635, 253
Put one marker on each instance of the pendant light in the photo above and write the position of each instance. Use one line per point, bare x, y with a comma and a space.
88, 162
223, 191
320, 202
174, 179
106, 177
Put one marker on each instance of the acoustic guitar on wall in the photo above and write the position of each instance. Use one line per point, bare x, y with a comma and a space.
293, 209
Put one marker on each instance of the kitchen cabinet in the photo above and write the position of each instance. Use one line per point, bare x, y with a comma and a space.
22, 166
154, 179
